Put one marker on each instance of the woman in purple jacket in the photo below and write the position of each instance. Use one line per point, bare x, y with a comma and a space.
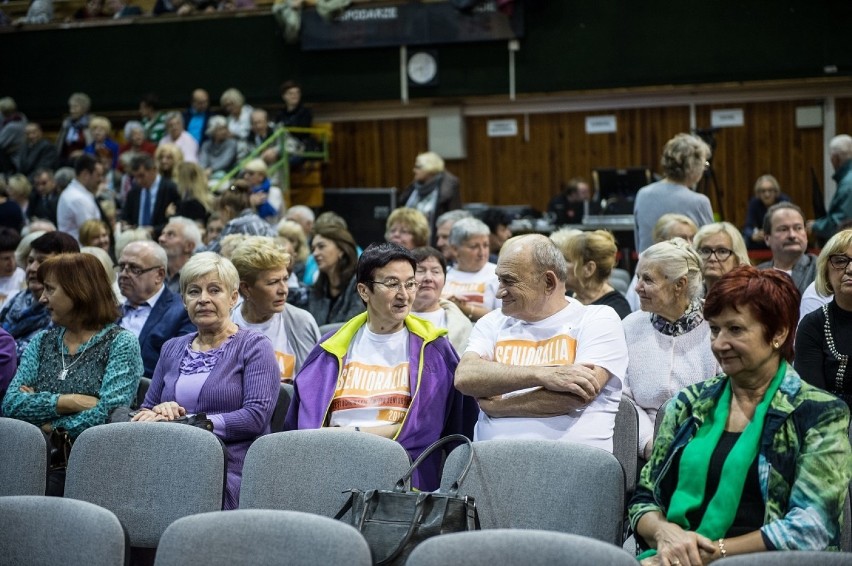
226, 372
385, 372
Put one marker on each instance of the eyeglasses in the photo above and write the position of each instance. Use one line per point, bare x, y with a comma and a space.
839, 261
721, 253
134, 270
396, 286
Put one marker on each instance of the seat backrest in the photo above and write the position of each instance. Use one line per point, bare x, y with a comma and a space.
149, 474
285, 395
543, 484
141, 391
791, 558
625, 443
23, 458
53, 530
308, 470
261, 537
517, 546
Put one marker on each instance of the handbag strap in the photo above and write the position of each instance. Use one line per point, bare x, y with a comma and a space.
400, 484
412, 526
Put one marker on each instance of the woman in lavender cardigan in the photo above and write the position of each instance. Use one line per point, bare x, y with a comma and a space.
224, 371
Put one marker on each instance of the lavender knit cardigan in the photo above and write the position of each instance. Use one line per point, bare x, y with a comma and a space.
242, 388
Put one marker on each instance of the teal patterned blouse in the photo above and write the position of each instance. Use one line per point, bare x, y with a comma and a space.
107, 366
804, 461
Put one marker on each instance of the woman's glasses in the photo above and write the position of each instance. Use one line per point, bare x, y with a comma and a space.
721, 253
839, 261
410, 286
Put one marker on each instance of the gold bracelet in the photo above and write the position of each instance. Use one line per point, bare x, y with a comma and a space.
722, 550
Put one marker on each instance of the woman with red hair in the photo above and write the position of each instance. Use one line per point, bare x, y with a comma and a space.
754, 459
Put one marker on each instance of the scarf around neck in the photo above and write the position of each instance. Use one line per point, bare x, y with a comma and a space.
695, 463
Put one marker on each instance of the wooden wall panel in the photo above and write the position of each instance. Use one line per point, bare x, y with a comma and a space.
529, 170
769, 142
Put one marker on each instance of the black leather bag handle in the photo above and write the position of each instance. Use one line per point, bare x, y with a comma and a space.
400, 484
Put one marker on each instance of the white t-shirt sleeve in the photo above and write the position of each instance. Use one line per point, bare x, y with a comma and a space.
483, 337
600, 341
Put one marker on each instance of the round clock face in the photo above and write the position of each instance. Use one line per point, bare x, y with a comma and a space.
422, 68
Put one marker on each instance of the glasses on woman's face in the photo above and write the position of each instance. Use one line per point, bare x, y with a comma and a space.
721, 253
839, 261
410, 286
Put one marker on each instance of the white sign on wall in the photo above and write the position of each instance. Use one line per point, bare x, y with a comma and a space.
601, 124
502, 128
730, 118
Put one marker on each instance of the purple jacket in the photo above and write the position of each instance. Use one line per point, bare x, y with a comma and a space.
242, 389
8, 363
437, 408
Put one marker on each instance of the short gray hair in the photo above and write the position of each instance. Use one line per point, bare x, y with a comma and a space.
547, 256
452, 216
203, 263
300, 210
841, 146
684, 156
189, 228
153, 248
675, 258
467, 228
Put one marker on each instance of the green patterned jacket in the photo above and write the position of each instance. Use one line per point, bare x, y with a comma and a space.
804, 461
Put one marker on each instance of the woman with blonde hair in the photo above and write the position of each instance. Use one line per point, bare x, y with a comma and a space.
407, 227
196, 200
95, 233
722, 248
293, 232
168, 156
591, 257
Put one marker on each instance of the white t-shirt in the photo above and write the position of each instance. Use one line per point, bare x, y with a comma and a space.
576, 334
438, 318
274, 330
479, 288
374, 387
9, 286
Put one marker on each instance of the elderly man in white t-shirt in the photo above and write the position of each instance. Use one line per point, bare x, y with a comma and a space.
543, 366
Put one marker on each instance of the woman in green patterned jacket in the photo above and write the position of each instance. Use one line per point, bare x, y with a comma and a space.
754, 459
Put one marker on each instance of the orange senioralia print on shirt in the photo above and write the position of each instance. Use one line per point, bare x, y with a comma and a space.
368, 392
559, 350
470, 292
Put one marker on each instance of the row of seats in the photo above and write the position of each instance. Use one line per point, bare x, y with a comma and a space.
83, 533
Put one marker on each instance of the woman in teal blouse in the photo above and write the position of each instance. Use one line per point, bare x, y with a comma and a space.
74, 373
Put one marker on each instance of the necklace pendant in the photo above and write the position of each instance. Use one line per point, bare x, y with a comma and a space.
63, 374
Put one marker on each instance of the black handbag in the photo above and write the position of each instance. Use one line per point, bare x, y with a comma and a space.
59, 443
395, 521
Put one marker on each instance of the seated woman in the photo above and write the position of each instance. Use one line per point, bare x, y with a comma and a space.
228, 373
412, 399
472, 283
234, 207
671, 225
824, 338
262, 266
196, 201
668, 341
168, 156
722, 248
95, 233
767, 192
408, 228
295, 234
591, 257
218, 153
754, 459
75, 373
334, 297
430, 275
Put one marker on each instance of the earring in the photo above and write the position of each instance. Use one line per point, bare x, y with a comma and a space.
776, 345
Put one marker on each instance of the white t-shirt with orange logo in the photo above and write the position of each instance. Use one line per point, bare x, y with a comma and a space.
479, 288
576, 334
274, 330
374, 387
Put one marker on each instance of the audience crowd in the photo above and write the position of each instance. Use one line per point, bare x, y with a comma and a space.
452, 325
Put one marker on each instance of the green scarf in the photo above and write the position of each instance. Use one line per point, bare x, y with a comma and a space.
695, 462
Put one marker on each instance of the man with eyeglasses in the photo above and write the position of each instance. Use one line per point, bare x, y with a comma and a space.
385, 372
152, 312
543, 366
784, 226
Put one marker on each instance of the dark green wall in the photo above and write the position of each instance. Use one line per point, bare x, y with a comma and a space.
568, 45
